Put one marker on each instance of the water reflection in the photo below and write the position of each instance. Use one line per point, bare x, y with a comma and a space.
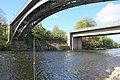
57, 65
16, 66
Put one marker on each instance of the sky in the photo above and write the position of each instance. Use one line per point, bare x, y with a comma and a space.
103, 13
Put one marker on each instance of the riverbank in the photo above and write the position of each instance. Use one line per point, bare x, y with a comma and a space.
51, 45
40, 45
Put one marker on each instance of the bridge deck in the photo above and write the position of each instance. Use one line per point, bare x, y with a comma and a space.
96, 31
96, 28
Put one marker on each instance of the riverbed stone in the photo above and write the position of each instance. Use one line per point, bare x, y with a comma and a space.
115, 75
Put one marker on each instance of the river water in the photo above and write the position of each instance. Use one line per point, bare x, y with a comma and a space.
58, 65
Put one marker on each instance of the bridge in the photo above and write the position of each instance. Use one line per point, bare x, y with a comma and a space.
34, 11
75, 37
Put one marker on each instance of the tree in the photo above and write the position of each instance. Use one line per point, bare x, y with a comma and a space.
59, 34
2, 17
85, 23
3, 31
88, 42
39, 31
56, 31
48, 35
3, 35
107, 43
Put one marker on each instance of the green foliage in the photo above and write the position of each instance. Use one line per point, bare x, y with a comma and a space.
3, 35
85, 23
107, 43
89, 43
59, 34
93, 42
3, 31
99, 42
39, 31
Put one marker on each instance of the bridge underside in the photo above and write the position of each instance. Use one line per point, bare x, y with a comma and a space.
75, 37
42, 9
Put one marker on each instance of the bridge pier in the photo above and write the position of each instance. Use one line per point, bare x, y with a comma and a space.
75, 43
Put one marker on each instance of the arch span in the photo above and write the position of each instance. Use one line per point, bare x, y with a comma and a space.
42, 9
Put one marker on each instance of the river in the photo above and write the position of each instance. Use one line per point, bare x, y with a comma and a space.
58, 65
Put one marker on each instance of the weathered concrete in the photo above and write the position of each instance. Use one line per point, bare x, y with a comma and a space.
76, 43
69, 40
75, 37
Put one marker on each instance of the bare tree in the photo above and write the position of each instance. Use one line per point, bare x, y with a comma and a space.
2, 17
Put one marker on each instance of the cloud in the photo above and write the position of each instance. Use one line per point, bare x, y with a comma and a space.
55, 16
108, 14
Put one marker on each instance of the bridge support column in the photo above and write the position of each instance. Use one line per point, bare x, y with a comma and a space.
69, 40
76, 43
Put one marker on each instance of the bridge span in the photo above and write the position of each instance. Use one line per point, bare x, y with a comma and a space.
35, 11
75, 37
